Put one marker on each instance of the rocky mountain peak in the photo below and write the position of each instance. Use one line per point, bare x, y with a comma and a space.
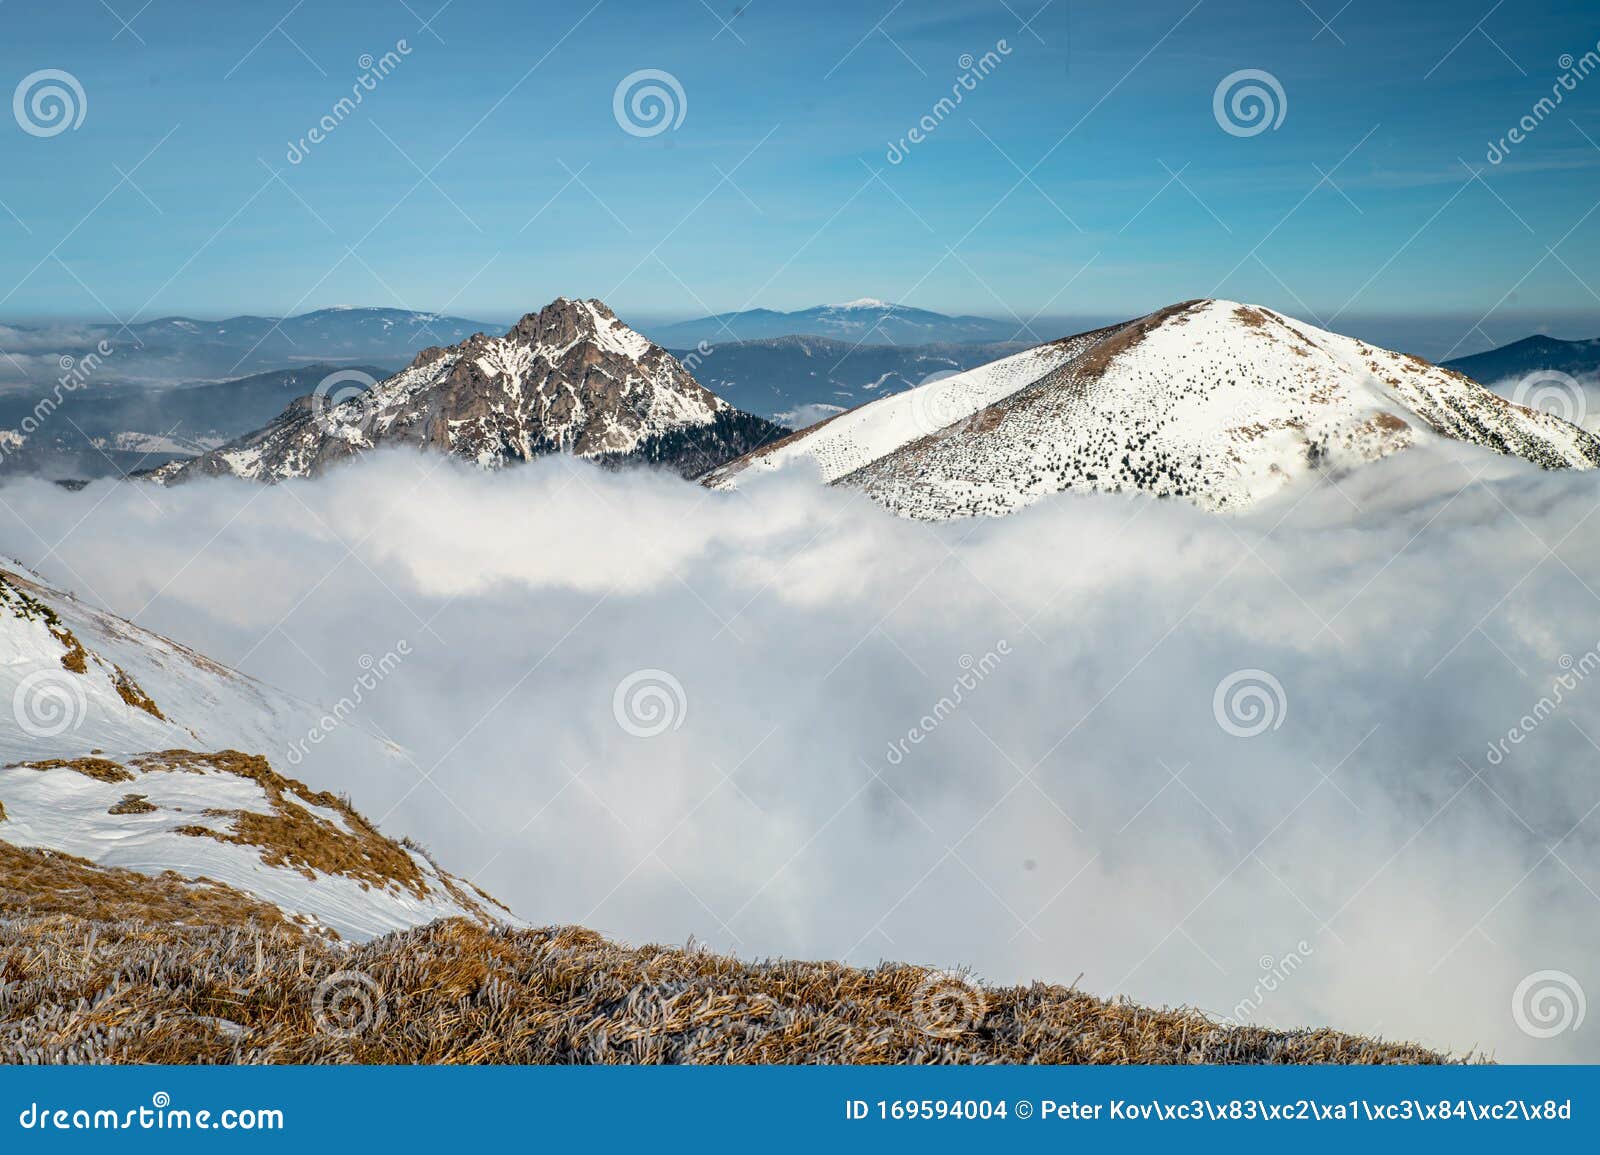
569, 378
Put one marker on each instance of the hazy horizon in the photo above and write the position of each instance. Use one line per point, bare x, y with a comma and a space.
1435, 336
957, 155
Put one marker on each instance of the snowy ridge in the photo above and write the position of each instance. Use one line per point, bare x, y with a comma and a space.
122, 748
571, 378
862, 435
1217, 402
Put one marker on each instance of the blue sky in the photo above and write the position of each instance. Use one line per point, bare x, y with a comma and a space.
1086, 174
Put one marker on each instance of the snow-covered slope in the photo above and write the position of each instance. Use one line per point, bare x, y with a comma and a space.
1214, 401
568, 379
126, 749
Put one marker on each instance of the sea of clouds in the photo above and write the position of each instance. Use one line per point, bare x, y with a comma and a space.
1290, 766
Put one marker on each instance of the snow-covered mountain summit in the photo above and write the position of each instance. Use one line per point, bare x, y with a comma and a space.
1214, 401
570, 378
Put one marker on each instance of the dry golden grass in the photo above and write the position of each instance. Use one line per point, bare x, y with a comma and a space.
102, 769
1120, 339
292, 835
133, 804
172, 972
44, 883
133, 694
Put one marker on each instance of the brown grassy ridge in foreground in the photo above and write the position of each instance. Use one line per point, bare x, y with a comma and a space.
104, 966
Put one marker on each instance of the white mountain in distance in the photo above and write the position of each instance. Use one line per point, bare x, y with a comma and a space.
1214, 401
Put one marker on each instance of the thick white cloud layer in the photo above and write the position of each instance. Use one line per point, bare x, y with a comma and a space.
998, 744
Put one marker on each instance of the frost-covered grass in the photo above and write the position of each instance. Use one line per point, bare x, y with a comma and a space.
103, 966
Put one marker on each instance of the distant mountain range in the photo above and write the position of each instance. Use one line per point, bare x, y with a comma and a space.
1220, 403
1529, 355
174, 349
798, 380
110, 431
866, 321
157, 398
570, 378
